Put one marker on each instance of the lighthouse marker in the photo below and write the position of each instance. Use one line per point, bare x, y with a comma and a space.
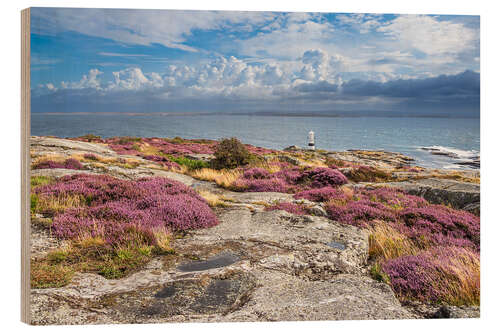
311, 141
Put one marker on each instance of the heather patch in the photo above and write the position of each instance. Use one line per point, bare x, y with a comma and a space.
427, 252
115, 225
175, 146
439, 275
289, 180
118, 207
69, 163
322, 194
321, 177
290, 207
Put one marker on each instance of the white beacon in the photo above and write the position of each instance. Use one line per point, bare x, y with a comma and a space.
311, 141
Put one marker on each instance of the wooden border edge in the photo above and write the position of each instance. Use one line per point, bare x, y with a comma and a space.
25, 166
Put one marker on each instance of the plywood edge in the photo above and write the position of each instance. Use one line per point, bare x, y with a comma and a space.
25, 166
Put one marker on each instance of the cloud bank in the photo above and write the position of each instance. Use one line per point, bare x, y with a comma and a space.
230, 84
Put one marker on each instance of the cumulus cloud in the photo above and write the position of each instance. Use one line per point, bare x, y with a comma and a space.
89, 80
430, 35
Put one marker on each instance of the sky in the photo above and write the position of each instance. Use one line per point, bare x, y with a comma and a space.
117, 60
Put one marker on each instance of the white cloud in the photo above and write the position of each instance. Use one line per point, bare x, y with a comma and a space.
430, 35
144, 27
89, 80
223, 77
296, 35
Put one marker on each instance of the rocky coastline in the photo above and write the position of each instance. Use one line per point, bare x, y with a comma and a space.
258, 263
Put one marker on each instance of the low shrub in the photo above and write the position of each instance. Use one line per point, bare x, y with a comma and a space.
230, 154
321, 177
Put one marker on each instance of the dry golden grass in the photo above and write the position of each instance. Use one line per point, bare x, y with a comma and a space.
348, 191
147, 149
163, 239
87, 241
462, 274
271, 165
387, 243
58, 204
49, 157
315, 163
224, 178
213, 199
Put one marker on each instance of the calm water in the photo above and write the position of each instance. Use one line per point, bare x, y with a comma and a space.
405, 135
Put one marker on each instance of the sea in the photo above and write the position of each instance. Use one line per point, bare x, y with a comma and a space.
456, 138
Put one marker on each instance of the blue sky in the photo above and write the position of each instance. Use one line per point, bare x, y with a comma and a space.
179, 61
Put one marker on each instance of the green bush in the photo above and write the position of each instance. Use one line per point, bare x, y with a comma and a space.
230, 154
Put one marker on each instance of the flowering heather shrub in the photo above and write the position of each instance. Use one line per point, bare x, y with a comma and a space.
176, 146
260, 185
69, 163
287, 180
441, 274
290, 207
290, 176
393, 198
360, 213
256, 173
122, 211
259, 150
321, 177
322, 194
442, 225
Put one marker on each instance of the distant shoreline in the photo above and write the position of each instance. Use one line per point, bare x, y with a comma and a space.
260, 114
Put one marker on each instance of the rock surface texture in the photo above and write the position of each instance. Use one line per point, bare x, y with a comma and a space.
458, 195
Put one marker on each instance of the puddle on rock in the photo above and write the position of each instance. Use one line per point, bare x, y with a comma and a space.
217, 261
336, 245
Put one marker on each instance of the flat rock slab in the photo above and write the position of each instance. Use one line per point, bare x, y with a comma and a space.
61, 145
282, 297
459, 195
299, 245
258, 197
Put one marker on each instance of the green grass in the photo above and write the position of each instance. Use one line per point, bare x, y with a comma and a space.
39, 181
34, 203
189, 163
377, 273
57, 268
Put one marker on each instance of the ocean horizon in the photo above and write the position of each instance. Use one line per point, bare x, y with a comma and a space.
405, 134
